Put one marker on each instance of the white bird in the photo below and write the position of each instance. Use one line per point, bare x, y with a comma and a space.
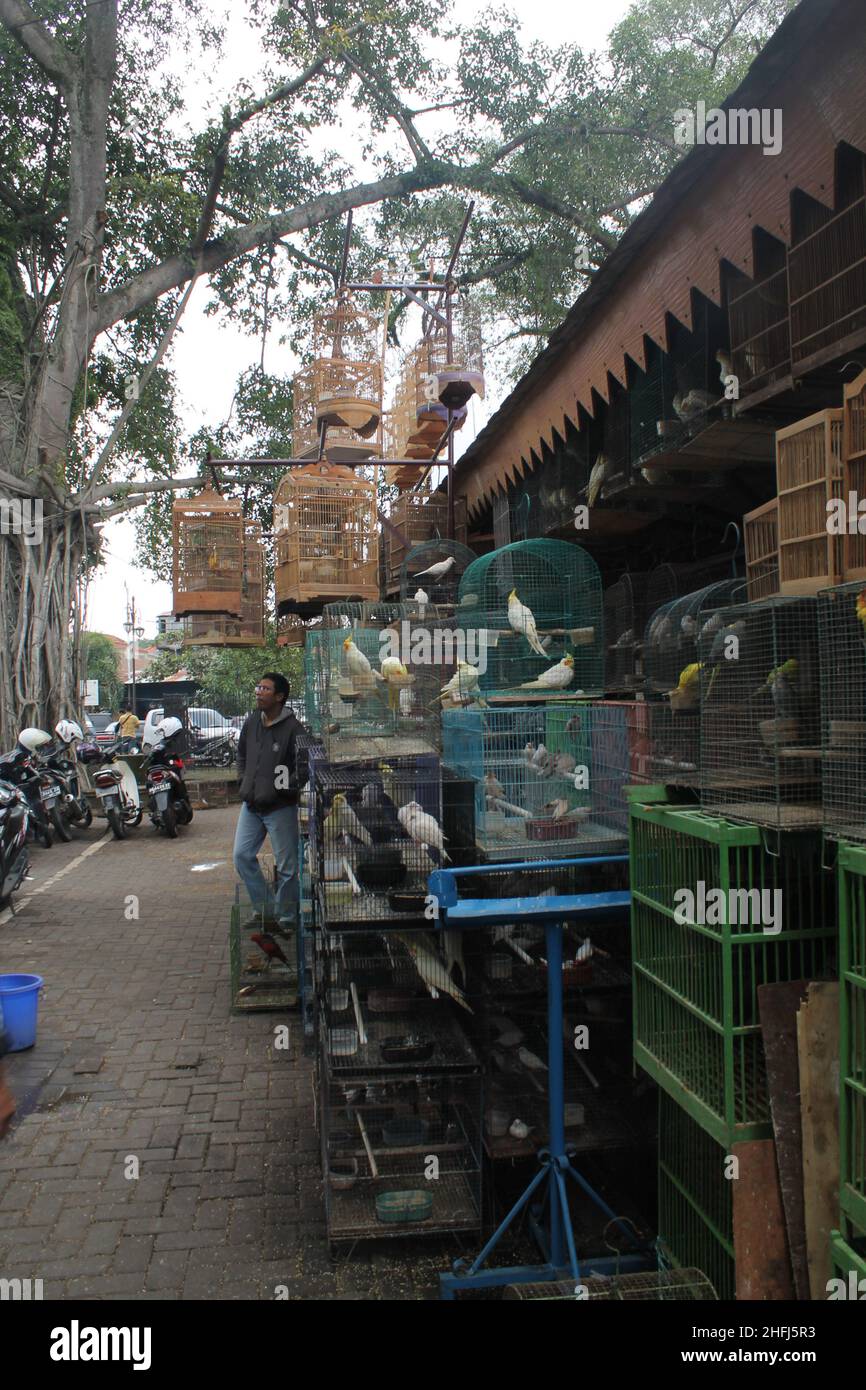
656, 477
422, 600
554, 678
528, 752
556, 809
506, 934
521, 619
358, 666
463, 685
431, 969
539, 757
438, 571
341, 819
695, 402
421, 827
688, 626
518, 1129
529, 1059
584, 950
596, 478
726, 366
452, 945
711, 626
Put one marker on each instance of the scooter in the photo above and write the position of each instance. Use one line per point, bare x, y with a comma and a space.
169, 803
39, 790
72, 808
14, 825
114, 782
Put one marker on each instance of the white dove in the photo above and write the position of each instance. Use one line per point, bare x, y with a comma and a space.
422, 600
342, 819
554, 678
438, 571
421, 827
539, 757
529, 1059
596, 478
688, 626
520, 619
431, 969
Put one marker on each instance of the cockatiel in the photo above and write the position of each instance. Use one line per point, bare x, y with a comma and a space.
396, 677
422, 600
554, 678
462, 687
437, 572
599, 472
341, 819
431, 969
421, 827
358, 666
520, 619
687, 693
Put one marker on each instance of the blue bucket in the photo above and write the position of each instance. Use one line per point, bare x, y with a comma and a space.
19, 1005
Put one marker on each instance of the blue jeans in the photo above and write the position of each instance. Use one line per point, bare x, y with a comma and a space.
281, 825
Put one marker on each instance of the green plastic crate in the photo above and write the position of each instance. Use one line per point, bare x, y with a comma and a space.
847, 1258
696, 1021
696, 1217
852, 1032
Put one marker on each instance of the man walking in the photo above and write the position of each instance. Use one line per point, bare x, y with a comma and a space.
267, 770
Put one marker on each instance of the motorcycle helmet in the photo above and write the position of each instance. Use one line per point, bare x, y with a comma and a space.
32, 739
67, 730
167, 728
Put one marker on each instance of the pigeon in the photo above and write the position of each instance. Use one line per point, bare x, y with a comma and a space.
726, 366
695, 402
438, 571
520, 619
422, 600
597, 476
554, 678
688, 626
422, 827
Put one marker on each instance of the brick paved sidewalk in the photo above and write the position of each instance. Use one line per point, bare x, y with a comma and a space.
137, 1055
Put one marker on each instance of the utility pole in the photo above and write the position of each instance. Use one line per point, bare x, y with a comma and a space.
134, 631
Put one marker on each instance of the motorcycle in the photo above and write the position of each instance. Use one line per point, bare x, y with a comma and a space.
217, 751
169, 803
72, 808
114, 783
14, 825
38, 788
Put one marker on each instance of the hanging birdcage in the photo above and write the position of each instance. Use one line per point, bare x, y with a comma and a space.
451, 373
679, 638
342, 444
327, 538
624, 623
842, 647
383, 669
760, 715
248, 630
292, 631
435, 567
208, 551
529, 608
347, 367
415, 517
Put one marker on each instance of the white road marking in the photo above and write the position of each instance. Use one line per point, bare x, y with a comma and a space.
7, 915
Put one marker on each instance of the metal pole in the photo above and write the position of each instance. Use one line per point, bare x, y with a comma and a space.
555, 1093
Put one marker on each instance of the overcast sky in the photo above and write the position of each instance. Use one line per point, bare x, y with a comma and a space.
208, 356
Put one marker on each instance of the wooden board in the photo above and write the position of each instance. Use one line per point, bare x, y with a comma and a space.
778, 1005
760, 1240
818, 1048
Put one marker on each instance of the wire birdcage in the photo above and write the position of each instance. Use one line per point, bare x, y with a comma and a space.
348, 343
342, 444
760, 715
654, 1286
548, 779
533, 606
327, 537
416, 517
842, 648
442, 585
624, 624
248, 630
854, 463
208, 554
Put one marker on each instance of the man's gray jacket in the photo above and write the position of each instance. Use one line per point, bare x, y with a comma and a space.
267, 768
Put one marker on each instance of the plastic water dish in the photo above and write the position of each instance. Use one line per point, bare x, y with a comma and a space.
338, 999
342, 1173
343, 1042
496, 1122
573, 1113
408, 1206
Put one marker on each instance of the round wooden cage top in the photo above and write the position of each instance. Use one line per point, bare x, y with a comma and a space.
207, 501
320, 474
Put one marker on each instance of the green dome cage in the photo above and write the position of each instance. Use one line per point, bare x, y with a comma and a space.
561, 586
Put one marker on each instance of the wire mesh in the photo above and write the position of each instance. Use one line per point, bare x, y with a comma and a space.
259, 981
696, 1210
560, 586
808, 477
208, 554
760, 725
375, 831
450, 375
327, 544
854, 466
699, 960
548, 780
852, 1025
654, 1286
761, 540
842, 652
442, 585
416, 517
760, 339
624, 624
400, 1157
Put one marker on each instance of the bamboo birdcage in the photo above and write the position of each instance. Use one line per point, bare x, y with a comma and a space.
208, 551
292, 630
854, 456
415, 517
327, 539
808, 476
452, 377
761, 540
347, 367
342, 444
224, 630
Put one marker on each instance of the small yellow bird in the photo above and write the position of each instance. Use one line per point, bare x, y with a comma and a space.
687, 693
396, 677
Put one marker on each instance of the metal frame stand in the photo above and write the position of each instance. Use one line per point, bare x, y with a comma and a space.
549, 1219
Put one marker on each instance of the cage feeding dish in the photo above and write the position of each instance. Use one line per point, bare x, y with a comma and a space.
406, 902
407, 1049
404, 1207
342, 1173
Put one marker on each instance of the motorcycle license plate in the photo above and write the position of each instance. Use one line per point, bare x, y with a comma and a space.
49, 796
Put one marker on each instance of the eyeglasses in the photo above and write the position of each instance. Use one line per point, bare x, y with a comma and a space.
266, 689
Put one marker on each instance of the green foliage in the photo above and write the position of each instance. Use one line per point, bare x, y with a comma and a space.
227, 675
99, 656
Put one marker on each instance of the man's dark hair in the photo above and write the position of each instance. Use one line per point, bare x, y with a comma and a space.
281, 685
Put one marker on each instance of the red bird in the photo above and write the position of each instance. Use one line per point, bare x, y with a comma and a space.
271, 948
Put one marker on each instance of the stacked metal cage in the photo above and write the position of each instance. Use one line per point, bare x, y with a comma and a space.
696, 1208
842, 652
560, 585
680, 639
208, 555
760, 725
548, 779
624, 623
448, 560
326, 538
248, 629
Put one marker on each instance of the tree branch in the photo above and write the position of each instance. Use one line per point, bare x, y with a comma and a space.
138, 488
32, 34
393, 108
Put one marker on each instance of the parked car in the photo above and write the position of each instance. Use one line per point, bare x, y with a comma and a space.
203, 723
